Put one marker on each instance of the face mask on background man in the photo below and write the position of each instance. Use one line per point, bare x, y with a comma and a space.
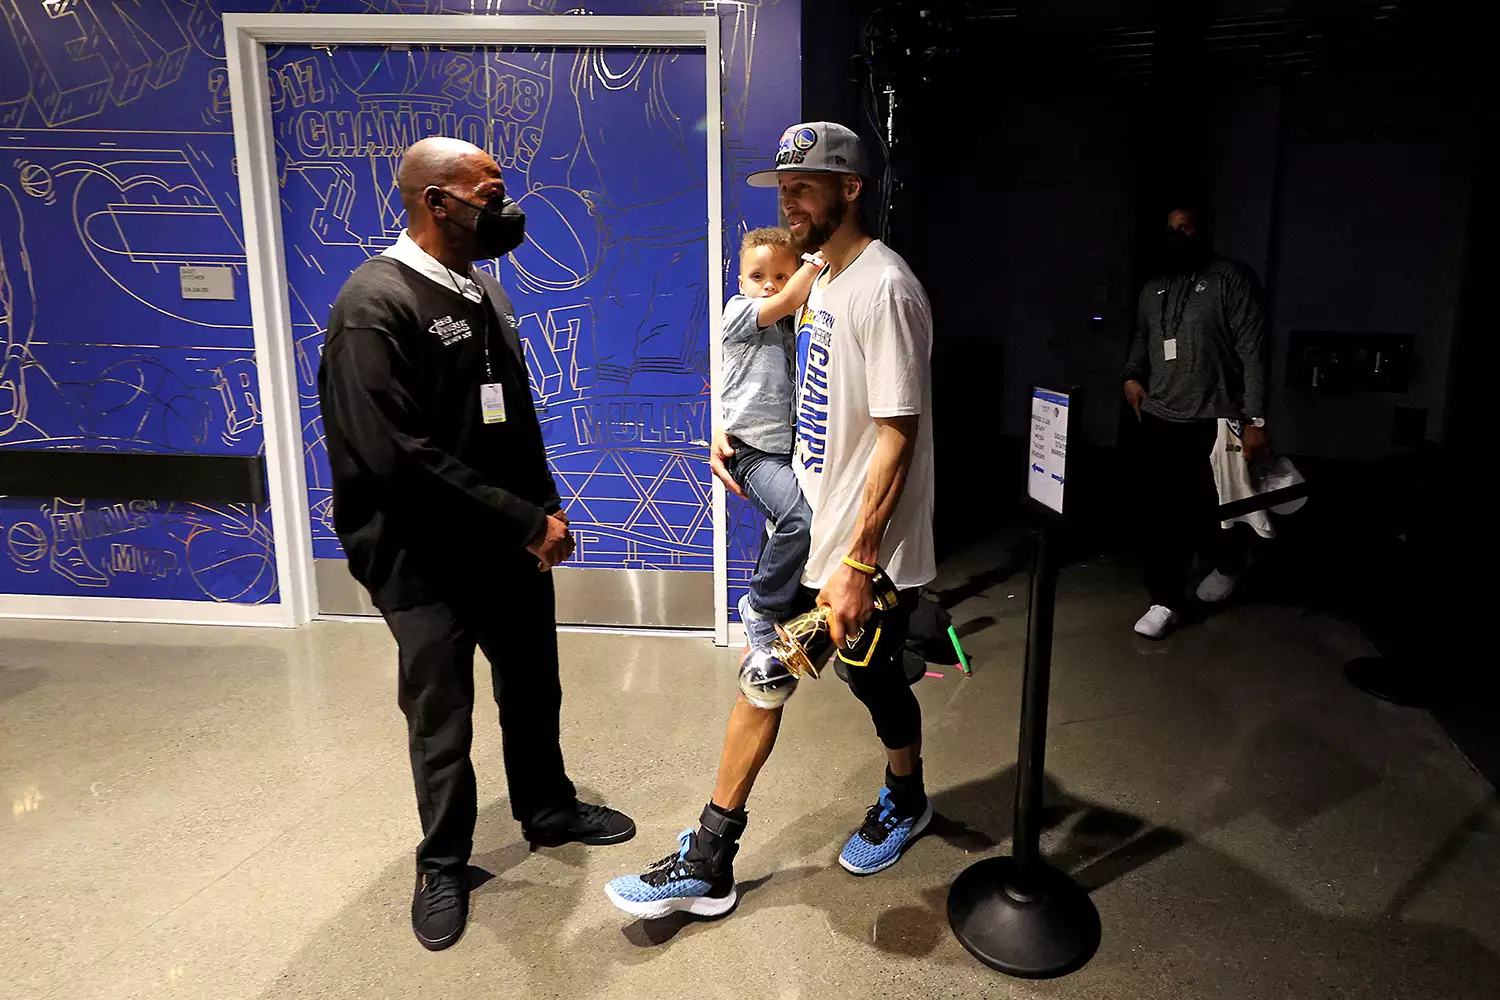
1183, 253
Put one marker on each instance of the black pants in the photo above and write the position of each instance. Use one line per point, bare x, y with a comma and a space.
515, 624
877, 675
1175, 485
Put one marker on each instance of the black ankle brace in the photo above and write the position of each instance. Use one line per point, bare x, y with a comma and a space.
906, 789
724, 824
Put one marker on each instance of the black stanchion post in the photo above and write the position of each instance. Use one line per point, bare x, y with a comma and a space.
1019, 914
1036, 684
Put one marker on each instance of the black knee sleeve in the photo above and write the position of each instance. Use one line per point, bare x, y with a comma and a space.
892, 705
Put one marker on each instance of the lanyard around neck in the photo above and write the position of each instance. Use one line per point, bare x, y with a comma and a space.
1169, 333
484, 308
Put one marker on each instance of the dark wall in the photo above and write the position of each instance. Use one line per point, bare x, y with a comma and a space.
1031, 198
1468, 710
1038, 234
1372, 227
828, 89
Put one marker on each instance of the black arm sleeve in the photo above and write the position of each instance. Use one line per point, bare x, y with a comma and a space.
367, 387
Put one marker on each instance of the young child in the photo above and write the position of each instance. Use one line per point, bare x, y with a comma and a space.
759, 417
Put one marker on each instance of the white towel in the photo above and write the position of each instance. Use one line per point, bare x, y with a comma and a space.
1236, 479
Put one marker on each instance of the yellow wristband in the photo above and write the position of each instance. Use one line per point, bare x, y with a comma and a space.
856, 564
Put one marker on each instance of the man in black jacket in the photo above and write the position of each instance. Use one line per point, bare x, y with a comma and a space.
1196, 358
449, 515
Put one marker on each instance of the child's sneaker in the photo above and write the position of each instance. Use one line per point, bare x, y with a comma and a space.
760, 631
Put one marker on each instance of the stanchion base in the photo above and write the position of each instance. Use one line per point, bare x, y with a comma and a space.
1053, 934
1387, 680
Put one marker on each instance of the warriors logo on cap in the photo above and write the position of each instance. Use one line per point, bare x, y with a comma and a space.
815, 147
795, 142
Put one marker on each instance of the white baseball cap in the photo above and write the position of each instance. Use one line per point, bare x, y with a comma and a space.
815, 148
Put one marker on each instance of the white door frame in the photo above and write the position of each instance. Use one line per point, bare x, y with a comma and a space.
245, 39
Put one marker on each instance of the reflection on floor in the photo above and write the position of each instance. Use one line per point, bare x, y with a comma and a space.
219, 813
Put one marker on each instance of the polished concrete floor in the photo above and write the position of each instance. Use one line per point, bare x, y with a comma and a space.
222, 813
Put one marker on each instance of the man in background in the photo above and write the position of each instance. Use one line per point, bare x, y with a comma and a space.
1196, 358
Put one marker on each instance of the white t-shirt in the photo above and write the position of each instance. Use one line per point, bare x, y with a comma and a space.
864, 344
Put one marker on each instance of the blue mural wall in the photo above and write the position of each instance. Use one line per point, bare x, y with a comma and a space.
117, 167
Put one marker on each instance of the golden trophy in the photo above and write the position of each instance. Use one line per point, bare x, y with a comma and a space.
802, 647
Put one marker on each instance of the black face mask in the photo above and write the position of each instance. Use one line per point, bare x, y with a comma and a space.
1183, 254
499, 227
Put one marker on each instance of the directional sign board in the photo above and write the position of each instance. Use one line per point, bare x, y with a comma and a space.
1048, 455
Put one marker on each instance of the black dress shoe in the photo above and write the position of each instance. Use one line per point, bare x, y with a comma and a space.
440, 908
591, 824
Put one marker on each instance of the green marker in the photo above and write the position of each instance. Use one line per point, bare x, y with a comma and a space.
963, 661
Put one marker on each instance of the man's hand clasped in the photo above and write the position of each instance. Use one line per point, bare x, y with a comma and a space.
553, 544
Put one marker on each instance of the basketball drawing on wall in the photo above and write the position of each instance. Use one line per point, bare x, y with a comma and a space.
561, 251
26, 545
228, 550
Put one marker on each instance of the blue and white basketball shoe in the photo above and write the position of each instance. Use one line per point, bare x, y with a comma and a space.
886, 833
684, 882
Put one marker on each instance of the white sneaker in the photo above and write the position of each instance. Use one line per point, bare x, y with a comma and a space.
1216, 587
1157, 622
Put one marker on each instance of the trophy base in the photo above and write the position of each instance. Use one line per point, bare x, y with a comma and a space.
764, 680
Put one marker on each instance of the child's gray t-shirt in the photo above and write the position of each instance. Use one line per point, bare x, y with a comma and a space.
759, 377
